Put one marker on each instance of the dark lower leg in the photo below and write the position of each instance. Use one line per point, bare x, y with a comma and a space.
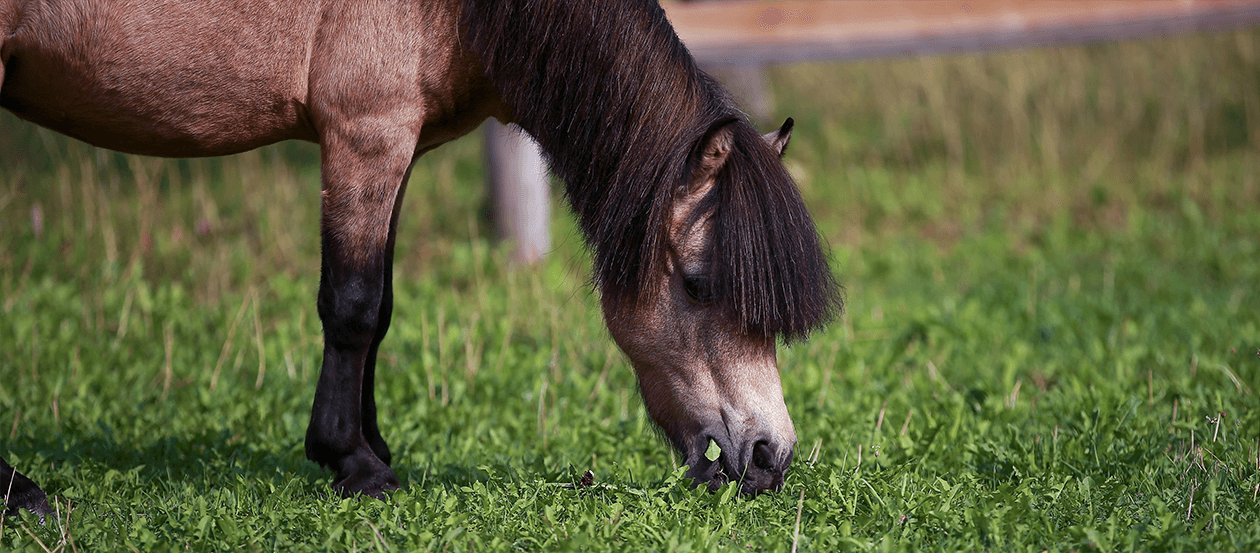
372, 432
349, 305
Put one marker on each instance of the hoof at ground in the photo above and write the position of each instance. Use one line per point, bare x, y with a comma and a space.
22, 493
365, 475
376, 484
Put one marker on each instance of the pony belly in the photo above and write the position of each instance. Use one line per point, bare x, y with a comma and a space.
167, 83
214, 130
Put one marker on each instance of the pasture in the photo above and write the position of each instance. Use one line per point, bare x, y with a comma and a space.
1050, 260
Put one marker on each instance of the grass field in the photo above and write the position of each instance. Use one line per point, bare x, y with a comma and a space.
1050, 257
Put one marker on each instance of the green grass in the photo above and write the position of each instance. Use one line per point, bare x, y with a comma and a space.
1051, 341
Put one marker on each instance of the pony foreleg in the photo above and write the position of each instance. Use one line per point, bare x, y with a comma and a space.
355, 303
20, 492
371, 432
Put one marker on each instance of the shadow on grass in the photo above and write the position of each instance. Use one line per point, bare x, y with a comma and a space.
211, 459
203, 460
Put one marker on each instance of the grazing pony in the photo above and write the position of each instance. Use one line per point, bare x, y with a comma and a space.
704, 253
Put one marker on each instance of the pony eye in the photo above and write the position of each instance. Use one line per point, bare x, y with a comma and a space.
699, 290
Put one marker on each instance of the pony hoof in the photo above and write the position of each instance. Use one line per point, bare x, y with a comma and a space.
37, 505
19, 492
373, 486
374, 482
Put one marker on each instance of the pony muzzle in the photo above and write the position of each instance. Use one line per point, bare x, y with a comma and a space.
755, 465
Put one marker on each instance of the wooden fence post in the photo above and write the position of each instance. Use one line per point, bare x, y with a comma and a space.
519, 190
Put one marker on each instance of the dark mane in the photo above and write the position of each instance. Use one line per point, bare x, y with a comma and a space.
618, 105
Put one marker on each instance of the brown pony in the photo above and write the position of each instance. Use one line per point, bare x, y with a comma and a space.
704, 253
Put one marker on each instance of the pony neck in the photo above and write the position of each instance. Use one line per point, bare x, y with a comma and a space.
615, 101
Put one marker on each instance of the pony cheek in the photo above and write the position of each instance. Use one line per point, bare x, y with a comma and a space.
679, 395
677, 408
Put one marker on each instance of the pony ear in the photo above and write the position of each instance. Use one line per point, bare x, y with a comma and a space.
713, 150
779, 139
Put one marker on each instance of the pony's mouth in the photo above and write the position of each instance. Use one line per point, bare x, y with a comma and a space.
756, 471
713, 473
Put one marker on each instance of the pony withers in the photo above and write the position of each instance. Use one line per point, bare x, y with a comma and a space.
705, 256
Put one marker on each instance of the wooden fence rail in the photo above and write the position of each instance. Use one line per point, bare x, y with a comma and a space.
742, 33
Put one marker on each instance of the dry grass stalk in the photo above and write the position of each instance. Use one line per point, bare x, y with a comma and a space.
814, 452
879, 422
168, 343
796, 532
258, 341
227, 344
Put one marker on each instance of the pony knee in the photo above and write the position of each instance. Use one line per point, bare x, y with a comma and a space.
350, 310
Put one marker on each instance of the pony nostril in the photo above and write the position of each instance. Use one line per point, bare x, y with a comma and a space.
763, 455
